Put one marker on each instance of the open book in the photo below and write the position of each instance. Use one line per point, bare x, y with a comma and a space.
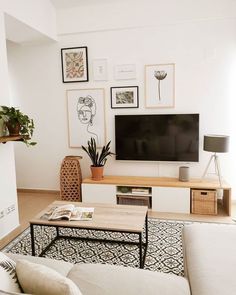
69, 212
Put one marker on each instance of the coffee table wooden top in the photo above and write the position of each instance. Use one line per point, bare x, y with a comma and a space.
105, 217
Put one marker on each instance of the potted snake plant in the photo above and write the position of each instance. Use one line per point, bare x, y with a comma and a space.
17, 124
98, 158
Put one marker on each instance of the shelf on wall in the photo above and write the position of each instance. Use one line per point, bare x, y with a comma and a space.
4, 139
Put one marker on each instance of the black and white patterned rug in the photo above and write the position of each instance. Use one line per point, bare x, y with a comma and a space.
164, 251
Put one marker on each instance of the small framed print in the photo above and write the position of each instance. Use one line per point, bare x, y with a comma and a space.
74, 62
100, 70
160, 85
125, 72
124, 97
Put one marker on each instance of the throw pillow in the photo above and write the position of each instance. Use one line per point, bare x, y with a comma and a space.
39, 279
8, 278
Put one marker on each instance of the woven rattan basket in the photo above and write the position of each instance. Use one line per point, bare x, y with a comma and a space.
204, 202
70, 179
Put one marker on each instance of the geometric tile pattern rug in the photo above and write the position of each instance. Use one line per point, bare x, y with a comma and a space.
164, 253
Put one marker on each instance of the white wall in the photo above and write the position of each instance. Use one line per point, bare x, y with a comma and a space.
31, 15
199, 38
7, 167
112, 14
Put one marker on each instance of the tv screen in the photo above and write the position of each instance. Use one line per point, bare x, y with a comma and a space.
157, 137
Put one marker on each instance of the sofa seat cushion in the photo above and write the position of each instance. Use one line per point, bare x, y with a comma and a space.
106, 279
60, 266
210, 258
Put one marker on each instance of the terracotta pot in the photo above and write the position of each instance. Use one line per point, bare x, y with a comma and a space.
14, 130
97, 172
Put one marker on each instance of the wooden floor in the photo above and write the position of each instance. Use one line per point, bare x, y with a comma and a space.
30, 203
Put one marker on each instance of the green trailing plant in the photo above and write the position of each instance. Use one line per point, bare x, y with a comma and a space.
98, 159
13, 117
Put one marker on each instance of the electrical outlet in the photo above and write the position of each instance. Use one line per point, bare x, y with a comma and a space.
8, 210
13, 207
1, 214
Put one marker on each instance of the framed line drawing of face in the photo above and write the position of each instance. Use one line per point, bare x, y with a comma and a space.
74, 63
86, 116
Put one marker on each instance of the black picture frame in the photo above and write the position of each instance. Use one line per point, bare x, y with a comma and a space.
124, 97
75, 70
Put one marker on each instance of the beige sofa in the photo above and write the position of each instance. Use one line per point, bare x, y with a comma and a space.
210, 258
210, 262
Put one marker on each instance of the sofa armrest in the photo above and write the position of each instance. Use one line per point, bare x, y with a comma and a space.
210, 258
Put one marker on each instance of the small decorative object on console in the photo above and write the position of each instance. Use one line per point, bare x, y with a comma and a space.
183, 173
98, 160
140, 190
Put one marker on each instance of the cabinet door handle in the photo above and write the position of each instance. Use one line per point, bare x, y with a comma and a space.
204, 193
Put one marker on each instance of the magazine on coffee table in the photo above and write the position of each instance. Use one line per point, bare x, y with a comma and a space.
69, 212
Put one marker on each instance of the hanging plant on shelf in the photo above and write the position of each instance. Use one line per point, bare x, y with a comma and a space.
18, 124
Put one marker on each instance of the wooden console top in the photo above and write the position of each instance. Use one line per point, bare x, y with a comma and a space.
158, 181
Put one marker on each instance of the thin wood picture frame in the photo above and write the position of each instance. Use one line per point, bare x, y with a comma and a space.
160, 85
74, 62
124, 97
86, 116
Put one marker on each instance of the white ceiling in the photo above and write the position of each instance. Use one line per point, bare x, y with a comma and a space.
63, 4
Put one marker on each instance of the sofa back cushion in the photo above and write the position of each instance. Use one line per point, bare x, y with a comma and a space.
104, 279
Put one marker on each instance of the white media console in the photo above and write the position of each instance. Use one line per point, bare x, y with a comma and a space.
161, 194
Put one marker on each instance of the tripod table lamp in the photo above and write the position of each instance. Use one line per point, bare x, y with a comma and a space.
215, 144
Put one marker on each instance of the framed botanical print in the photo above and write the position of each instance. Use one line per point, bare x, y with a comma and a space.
74, 64
86, 116
124, 97
160, 85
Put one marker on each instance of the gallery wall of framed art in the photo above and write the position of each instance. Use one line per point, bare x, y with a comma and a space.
86, 105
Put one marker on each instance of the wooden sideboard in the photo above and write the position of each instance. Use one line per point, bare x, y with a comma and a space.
166, 194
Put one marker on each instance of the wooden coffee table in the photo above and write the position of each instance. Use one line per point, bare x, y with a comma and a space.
106, 217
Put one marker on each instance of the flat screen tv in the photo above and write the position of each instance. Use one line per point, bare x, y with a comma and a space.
157, 137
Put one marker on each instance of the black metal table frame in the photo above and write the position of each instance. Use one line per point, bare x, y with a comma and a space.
140, 243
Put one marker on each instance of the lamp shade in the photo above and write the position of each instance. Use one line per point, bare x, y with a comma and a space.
216, 143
